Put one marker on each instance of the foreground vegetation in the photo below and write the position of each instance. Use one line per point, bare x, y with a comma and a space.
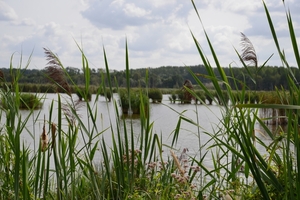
71, 161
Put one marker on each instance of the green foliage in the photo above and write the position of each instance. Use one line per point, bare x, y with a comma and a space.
173, 97
224, 96
235, 143
170, 77
180, 96
29, 101
136, 101
106, 93
200, 97
65, 165
81, 93
155, 95
209, 97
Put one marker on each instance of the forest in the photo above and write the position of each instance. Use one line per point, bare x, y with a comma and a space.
266, 78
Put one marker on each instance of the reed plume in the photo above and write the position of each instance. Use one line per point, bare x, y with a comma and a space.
69, 113
55, 73
248, 51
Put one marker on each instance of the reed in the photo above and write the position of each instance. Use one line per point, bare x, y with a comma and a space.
30, 101
131, 103
155, 95
269, 175
74, 161
200, 97
173, 97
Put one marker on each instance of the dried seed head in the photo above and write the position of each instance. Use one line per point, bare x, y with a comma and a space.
44, 139
44, 142
53, 130
248, 51
55, 73
182, 172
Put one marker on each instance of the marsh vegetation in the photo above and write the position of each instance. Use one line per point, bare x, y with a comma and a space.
73, 160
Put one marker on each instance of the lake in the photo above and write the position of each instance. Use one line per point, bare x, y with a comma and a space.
164, 116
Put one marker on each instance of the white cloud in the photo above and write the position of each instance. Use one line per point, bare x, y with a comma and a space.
7, 13
158, 32
133, 11
116, 15
160, 3
25, 22
246, 6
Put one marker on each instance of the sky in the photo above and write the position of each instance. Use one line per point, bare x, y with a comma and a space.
157, 32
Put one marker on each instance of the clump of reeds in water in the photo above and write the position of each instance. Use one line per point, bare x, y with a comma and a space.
155, 94
173, 97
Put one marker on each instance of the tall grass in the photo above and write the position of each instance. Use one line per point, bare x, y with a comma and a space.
272, 174
74, 161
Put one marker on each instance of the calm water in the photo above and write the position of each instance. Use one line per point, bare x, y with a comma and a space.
165, 117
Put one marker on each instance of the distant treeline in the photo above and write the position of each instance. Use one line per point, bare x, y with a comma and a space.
266, 78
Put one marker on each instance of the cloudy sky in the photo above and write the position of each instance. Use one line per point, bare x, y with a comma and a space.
157, 31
